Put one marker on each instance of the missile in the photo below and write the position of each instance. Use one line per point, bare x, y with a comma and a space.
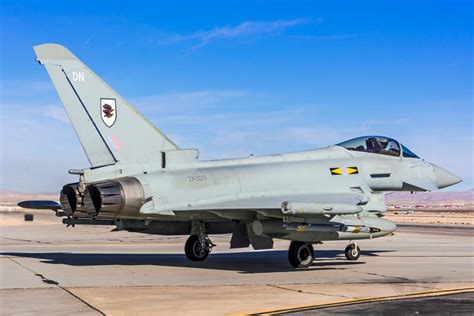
308, 209
330, 228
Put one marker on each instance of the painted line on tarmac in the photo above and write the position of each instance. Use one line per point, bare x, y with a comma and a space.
339, 303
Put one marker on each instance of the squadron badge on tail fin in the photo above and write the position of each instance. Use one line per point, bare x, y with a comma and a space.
108, 108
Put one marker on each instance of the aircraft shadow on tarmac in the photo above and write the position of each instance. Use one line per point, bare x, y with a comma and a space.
243, 262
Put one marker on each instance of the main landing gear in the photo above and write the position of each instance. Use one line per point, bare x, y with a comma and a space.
352, 251
198, 246
300, 254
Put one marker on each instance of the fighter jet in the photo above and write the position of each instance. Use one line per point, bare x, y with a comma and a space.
141, 181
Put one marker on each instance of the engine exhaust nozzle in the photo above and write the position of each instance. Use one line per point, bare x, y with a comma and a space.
111, 198
70, 198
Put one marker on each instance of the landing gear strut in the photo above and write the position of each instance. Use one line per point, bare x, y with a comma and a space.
300, 254
352, 251
198, 246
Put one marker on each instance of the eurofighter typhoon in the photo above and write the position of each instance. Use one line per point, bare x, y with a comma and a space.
140, 181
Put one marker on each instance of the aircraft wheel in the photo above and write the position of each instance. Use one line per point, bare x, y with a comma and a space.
352, 252
193, 249
300, 254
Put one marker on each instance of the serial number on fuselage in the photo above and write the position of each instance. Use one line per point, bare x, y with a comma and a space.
197, 178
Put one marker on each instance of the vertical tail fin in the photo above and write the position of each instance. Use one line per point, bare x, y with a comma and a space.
109, 129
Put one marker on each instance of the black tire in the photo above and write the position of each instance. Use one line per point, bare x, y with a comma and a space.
300, 254
352, 252
193, 250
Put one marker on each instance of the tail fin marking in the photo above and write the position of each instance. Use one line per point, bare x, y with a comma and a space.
110, 130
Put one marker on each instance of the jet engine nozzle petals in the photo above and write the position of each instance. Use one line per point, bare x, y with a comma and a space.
110, 198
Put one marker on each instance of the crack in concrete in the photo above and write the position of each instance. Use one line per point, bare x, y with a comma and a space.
52, 282
384, 276
402, 280
306, 292
27, 240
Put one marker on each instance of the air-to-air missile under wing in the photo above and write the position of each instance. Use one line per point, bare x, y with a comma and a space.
140, 181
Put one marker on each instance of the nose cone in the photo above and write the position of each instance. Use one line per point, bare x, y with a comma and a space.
444, 178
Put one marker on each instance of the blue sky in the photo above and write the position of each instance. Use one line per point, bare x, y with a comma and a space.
234, 78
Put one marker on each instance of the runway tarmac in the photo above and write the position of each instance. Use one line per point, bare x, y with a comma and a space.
47, 268
453, 304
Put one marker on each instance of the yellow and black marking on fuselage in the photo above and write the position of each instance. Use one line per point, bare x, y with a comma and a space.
338, 171
352, 170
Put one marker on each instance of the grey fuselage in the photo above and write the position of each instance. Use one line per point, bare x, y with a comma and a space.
252, 189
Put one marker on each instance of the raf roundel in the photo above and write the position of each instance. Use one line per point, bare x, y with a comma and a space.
108, 111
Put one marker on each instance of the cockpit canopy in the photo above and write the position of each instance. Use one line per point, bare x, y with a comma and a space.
377, 145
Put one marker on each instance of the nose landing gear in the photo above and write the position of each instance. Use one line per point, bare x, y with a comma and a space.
352, 251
